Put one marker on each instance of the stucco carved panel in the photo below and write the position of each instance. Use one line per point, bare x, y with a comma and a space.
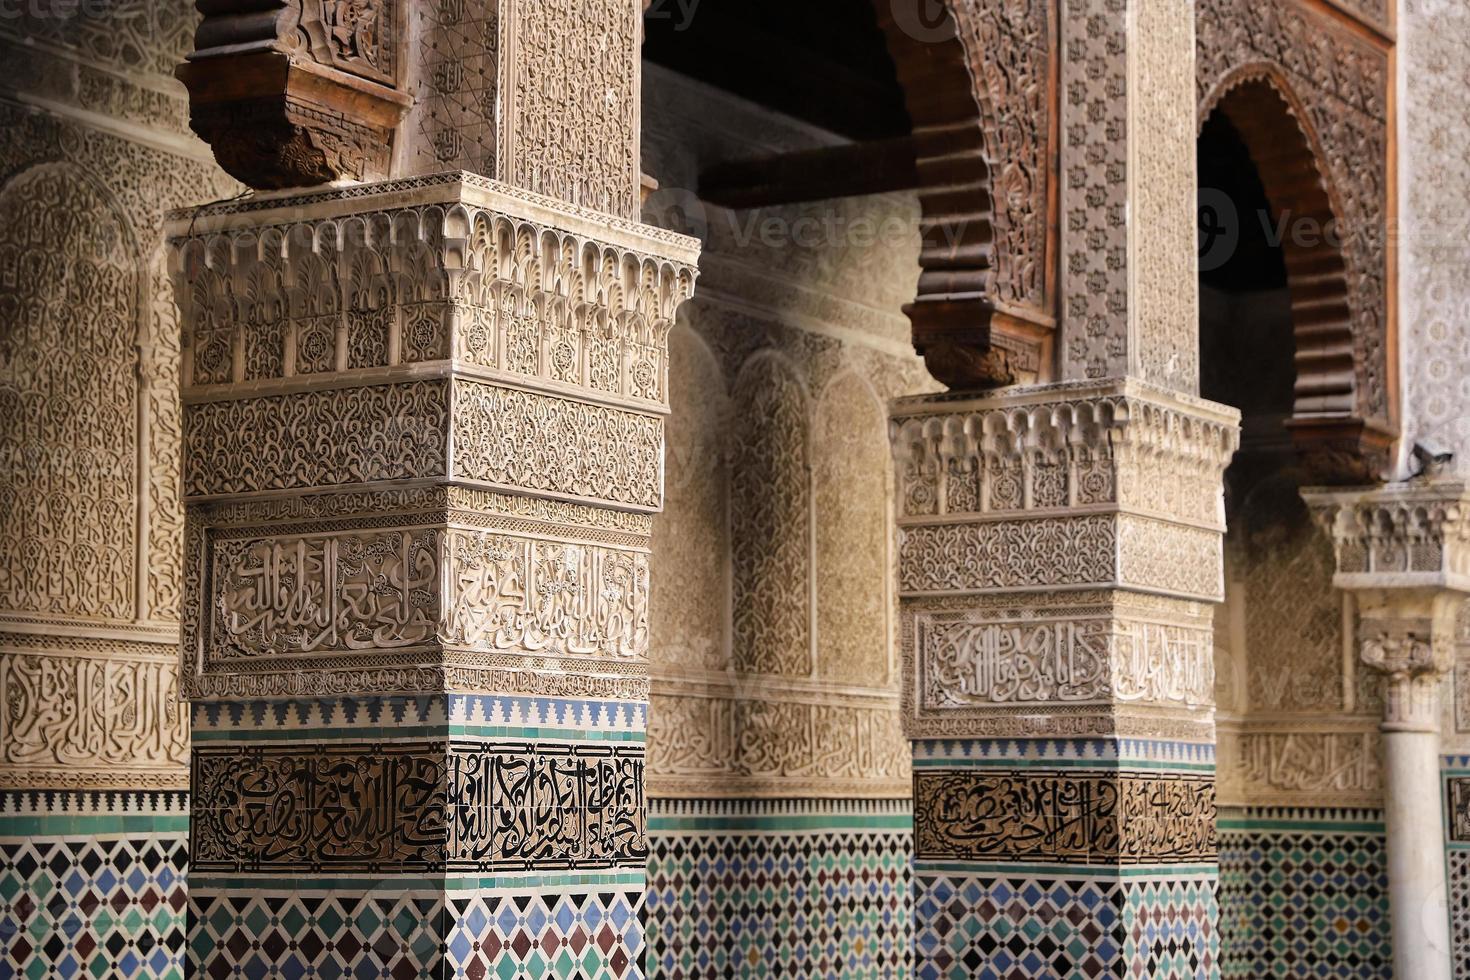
770, 501
691, 538
700, 746
70, 270
90, 714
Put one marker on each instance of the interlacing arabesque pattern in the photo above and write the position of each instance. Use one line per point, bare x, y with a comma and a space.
68, 469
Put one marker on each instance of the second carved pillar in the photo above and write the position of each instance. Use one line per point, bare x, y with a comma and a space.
1059, 556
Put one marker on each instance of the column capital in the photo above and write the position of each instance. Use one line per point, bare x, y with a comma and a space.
1403, 552
1059, 552
423, 429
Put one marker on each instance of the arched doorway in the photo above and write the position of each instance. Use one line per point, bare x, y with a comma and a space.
1295, 718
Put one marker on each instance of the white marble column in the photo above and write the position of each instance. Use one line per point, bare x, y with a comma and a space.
1404, 552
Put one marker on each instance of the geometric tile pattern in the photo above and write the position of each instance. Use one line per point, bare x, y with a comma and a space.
1047, 858
92, 890
782, 888
417, 934
410, 711
1002, 927
1459, 888
1303, 894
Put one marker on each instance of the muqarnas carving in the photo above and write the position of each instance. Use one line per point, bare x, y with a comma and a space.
461, 806
1075, 817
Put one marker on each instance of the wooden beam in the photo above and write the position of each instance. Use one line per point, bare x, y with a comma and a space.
849, 170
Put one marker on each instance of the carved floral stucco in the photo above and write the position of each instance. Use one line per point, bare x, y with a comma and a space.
92, 527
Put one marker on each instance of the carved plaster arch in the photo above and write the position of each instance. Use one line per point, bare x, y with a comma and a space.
978, 81
1334, 82
1260, 103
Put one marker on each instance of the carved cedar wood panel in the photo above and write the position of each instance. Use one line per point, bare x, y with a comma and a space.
979, 88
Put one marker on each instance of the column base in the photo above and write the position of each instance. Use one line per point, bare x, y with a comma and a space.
428, 837
1055, 858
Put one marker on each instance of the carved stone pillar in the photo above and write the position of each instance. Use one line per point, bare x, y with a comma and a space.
1059, 554
423, 429
1403, 551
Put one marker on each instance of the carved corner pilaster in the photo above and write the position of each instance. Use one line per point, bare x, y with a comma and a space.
1403, 551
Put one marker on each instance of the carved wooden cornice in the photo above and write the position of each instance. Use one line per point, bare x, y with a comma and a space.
291, 93
980, 87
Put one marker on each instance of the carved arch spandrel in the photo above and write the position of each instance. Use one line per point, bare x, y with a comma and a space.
1309, 97
980, 86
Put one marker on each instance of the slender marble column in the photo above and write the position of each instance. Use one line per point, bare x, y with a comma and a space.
1404, 552
1059, 556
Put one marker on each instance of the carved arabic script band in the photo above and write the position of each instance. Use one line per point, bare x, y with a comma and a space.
1079, 818
425, 806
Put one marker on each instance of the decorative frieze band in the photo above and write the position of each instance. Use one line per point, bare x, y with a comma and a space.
1081, 551
968, 658
1076, 817
1301, 766
91, 717
1057, 448
409, 591
344, 593
430, 807
727, 746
